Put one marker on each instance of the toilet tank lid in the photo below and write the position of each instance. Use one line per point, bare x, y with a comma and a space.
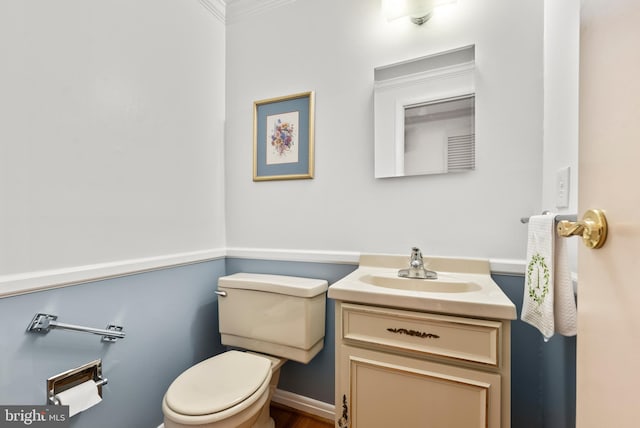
281, 284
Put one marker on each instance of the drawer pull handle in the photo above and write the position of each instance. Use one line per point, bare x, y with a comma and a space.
413, 333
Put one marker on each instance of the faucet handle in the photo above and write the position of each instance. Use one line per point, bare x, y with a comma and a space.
416, 253
416, 258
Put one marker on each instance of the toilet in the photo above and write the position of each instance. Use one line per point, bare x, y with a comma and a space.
265, 320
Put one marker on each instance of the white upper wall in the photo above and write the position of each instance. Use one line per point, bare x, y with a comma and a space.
113, 148
561, 67
332, 48
112, 122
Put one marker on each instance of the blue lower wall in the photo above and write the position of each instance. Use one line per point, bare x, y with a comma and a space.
543, 375
171, 317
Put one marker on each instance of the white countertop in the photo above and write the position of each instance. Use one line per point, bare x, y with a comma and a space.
484, 297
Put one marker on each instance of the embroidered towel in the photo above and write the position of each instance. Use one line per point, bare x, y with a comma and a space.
537, 305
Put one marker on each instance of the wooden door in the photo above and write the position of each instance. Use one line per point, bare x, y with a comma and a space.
608, 354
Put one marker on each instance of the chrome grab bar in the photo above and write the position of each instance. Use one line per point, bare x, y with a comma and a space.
42, 323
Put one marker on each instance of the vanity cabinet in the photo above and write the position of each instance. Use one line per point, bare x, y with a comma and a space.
412, 369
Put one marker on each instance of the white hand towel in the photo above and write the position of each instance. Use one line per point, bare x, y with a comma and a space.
549, 303
537, 305
565, 316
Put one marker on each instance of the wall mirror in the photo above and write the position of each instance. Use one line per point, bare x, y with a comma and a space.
424, 112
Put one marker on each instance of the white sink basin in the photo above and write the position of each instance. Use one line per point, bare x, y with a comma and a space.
429, 285
463, 287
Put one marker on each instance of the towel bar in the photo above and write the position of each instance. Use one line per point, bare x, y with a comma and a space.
559, 217
42, 323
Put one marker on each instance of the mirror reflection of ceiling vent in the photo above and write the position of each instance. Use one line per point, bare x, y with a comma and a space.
461, 152
418, 105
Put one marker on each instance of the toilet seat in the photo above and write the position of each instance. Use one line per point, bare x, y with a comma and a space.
218, 387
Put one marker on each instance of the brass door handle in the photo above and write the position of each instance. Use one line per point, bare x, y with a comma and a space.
593, 228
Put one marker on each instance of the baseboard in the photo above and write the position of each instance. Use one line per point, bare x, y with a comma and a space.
305, 404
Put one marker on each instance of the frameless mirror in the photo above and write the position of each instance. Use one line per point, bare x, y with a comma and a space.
425, 115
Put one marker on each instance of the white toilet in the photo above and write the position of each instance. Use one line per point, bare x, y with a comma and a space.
280, 316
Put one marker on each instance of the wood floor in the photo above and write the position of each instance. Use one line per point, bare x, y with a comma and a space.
285, 417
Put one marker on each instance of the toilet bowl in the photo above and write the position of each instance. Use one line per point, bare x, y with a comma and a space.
275, 318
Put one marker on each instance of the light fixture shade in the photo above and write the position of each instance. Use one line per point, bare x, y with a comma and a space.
394, 9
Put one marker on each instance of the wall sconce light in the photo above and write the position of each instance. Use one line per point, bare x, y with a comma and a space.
418, 10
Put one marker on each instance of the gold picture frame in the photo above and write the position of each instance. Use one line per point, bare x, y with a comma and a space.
283, 137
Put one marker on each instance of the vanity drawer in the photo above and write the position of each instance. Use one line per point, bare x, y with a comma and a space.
456, 338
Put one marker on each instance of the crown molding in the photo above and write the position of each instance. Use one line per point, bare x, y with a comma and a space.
216, 7
238, 10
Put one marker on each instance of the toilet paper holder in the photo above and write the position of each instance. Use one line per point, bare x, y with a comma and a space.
70, 378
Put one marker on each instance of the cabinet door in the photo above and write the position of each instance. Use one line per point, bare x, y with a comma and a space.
381, 390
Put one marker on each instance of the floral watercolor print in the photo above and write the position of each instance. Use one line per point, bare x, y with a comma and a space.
281, 138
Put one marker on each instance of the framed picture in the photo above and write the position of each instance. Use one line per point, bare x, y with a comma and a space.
283, 137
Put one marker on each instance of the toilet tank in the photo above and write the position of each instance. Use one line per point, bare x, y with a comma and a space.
278, 315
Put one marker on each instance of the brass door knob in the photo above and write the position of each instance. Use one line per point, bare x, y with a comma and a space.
593, 228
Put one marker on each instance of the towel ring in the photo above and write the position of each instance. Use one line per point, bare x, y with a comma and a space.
593, 228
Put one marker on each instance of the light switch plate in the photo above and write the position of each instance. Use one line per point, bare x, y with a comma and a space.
562, 187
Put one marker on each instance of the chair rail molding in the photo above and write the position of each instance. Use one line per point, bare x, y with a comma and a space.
497, 266
29, 282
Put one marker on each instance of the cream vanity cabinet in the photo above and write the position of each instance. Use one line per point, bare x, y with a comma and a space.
413, 369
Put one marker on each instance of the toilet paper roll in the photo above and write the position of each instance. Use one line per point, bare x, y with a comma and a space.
80, 397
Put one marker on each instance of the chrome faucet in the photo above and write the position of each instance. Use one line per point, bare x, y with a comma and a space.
416, 267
